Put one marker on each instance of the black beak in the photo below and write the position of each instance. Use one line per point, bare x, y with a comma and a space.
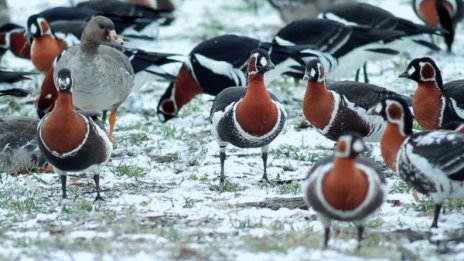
404, 75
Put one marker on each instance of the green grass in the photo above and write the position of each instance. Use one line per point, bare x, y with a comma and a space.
299, 153
131, 171
293, 188
133, 139
227, 187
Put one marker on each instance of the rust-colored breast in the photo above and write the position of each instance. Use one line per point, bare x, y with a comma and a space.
428, 12
48, 92
19, 46
186, 87
45, 49
318, 105
140, 2
390, 144
256, 113
345, 187
63, 130
427, 105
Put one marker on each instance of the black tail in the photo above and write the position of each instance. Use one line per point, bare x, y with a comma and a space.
142, 60
427, 44
12, 77
14, 92
410, 28
295, 57
362, 36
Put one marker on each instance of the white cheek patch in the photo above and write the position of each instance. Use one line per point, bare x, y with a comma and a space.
433, 73
378, 108
263, 61
400, 121
345, 153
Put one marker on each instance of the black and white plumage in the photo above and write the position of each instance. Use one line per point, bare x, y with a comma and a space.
141, 15
435, 103
291, 10
149, 66
432, 162
441, 13
7, 80
344, 186
9, 35
366, 15
349, 47
363, 14
127, 25
342, 106
248, 117
220, 62
70, 140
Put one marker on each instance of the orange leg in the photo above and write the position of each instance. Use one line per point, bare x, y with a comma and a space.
112, 120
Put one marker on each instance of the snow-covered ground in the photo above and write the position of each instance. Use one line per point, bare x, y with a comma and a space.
162, 201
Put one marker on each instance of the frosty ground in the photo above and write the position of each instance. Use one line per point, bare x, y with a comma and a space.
162, 199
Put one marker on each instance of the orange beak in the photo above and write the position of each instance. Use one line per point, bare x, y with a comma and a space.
113, 37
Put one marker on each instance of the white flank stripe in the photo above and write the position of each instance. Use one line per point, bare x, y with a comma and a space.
283, 42
443, 104
105, 138
222, 68
337, 101
336, 18
457, 109
216, 118
445, 187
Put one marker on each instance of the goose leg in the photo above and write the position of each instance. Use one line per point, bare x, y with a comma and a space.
222, 156
360, 235
435, 216
356, 77
326, 236
326, 223
104, 115
96, 178
366, 78
112, 120
63, 185
264, 157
